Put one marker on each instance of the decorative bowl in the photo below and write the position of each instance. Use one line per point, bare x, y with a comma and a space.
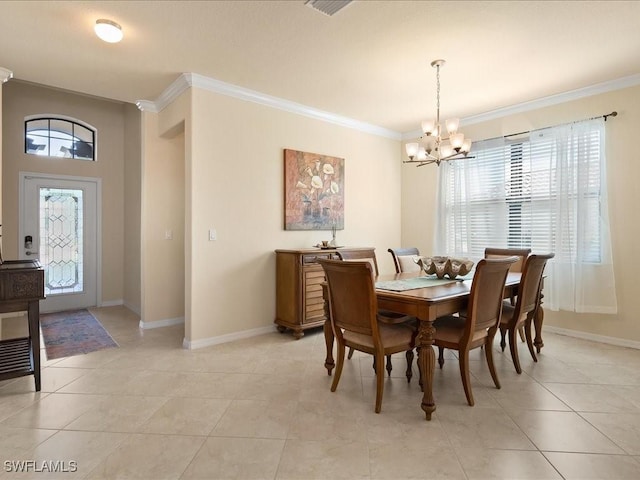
441, 266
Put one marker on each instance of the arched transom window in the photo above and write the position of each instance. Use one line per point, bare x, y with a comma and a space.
59, 137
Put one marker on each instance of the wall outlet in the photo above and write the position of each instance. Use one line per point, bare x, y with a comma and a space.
213, 235
168, 235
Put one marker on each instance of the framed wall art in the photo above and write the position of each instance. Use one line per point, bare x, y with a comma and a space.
313, 191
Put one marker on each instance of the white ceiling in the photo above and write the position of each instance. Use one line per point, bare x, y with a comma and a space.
369, 62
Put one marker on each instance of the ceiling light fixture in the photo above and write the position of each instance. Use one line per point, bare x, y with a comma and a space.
433, 147
108, 30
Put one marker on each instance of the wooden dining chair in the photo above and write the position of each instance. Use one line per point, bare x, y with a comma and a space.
353, 311
520, 316
479, 327
404, 259
384, 316
522, 254
368, 254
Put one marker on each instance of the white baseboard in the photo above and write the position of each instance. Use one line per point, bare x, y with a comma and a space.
206, 342
620, 342
165, 322
12, 315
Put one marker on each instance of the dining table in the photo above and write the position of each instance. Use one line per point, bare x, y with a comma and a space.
415, 295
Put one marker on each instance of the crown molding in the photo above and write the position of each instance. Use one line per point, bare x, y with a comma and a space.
173, 91
604, 87
147, 106
5, 75
217, 86
187, 80
551, 100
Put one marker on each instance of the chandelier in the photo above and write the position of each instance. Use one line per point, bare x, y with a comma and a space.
433, 147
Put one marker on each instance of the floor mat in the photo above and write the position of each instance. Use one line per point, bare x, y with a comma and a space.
74, 332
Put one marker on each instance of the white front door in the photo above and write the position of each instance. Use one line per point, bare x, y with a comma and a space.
59, 226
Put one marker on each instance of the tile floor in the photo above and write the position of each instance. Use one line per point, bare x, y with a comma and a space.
261, 409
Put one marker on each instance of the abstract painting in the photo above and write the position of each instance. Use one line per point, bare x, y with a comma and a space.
313, 191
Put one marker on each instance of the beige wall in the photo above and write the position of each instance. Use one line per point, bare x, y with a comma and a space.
237, 188
624, 198
20, 100
163, 211
132, 207
419, 187
234, 170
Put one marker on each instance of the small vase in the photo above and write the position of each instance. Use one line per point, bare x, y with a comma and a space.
333, 242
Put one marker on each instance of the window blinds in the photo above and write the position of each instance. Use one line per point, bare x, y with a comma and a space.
545, 191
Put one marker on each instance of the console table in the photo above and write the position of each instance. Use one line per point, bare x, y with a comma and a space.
21, 289
299, 278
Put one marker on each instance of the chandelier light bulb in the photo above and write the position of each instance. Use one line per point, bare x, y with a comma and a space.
466, 145
452, 125
428, 126
457, 139
412, 149
108, 30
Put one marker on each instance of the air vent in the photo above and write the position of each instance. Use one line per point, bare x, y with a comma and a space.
328, 7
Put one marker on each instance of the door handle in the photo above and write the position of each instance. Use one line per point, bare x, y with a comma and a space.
31, 253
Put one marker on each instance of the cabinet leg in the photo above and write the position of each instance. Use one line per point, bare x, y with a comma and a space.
298, 334
281, 329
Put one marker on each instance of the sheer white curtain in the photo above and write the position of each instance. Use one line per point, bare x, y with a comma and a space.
581, 277
546, 191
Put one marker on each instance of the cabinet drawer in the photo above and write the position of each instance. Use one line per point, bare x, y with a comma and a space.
315, 283
313, 313
313, 257
313, 292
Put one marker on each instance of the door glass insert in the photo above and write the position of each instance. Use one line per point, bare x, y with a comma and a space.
61, 245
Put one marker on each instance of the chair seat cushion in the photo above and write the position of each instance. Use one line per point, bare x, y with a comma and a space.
450, 329
396, 337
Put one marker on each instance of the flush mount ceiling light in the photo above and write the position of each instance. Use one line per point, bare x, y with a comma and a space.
433, 147
108, 30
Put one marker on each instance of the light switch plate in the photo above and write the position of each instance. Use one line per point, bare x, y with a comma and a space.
213, 235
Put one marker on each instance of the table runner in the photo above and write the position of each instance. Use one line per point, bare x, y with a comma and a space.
412, 283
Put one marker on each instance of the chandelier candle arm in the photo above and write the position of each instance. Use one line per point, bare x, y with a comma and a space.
433, 147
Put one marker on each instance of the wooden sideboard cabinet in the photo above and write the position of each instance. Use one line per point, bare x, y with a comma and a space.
21, 289
299, 278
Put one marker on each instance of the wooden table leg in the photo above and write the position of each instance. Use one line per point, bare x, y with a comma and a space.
427, 362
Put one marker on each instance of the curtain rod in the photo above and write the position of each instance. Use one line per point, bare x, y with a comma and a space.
612, 114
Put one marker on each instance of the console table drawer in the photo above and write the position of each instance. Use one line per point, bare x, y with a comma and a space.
22, 285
